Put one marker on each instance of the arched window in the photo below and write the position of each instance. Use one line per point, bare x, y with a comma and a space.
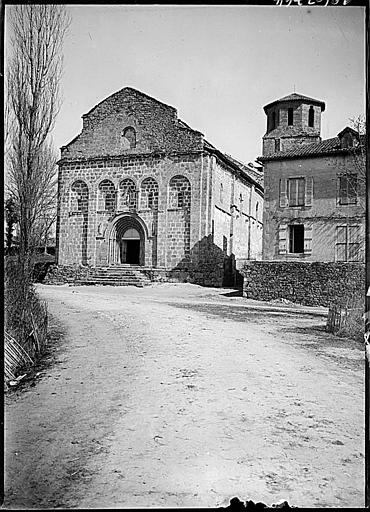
107, 196
127, 195
130, 134
221, 193
257, 207
179, 192
311, 117
79, 196
241, 203
149, 194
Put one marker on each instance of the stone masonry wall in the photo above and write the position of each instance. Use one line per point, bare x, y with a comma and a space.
155, 125
237, 227
310, 284
299, 132
148, 174
65, 274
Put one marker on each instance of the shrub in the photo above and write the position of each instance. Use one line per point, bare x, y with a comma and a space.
25, 313
40, 270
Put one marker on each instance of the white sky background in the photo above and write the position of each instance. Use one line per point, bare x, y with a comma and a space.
217, 65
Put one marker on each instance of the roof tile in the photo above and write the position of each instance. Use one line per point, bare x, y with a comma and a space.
296, 97
316, 148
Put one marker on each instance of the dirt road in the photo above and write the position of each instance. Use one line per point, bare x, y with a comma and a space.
182, 396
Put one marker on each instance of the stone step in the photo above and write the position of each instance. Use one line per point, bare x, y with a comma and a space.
125, 275
136, 277
110, 273
117, 270
108, 282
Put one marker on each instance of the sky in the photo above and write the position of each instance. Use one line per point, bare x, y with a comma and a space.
217, 65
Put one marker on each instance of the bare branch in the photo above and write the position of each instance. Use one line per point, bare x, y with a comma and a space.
34, 67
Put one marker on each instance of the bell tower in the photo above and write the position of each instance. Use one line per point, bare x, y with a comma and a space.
291, 121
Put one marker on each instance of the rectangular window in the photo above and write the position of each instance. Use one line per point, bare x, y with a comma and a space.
290, 116
273, 122
348, 189
296, 238
347, 243
277, 145
311, 117
296, 191
224, 244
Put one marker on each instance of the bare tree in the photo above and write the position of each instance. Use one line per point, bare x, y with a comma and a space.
358, 151
353, 174
34, 68
46, 210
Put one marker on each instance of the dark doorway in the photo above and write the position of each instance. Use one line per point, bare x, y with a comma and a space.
130, 252
130, 246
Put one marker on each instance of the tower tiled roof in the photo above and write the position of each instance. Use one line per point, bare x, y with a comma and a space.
296, 97
325, 147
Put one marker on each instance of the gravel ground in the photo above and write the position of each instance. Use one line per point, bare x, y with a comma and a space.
180, 396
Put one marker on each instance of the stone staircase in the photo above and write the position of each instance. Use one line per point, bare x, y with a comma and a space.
120, 275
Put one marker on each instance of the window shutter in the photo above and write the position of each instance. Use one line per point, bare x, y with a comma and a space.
282, 238
309, 192
352, 188
283, 193
353, 252
353, 234
300, 191
341, 243
307, 239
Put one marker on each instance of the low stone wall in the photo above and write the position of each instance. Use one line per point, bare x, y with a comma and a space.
156, 275
65, 274
204, 274
310, 284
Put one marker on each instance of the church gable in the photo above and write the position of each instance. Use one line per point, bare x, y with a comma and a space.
130, 122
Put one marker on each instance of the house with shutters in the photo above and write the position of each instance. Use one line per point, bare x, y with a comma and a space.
314, 204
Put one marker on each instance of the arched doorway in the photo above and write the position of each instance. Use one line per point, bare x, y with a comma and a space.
127, 242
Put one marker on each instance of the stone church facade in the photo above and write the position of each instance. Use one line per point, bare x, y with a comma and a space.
140, 187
